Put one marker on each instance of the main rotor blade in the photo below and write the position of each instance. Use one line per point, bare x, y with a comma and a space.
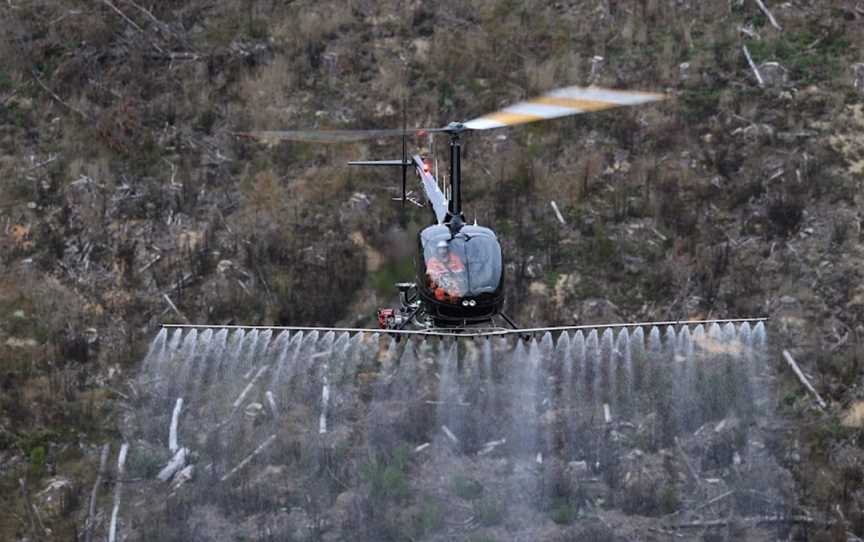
332, 136
561, 102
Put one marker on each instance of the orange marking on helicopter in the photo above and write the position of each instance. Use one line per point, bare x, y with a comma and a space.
510, 119
573, 103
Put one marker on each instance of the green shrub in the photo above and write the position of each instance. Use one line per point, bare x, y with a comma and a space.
669, 501
465, 487
810, 56
430, 518
563, 512
700, 103
489, 511
146, 462
387, 477
5, 82
37, 460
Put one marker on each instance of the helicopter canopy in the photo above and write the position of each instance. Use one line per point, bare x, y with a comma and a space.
466, 265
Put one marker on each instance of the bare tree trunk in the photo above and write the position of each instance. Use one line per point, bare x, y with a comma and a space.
35, 525
121, 471
91, 512
172, 430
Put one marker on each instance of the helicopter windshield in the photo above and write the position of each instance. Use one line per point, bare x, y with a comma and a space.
465, 265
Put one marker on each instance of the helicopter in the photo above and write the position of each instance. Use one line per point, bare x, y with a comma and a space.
459, 282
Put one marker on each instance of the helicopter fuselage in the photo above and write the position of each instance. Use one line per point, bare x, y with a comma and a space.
460, 275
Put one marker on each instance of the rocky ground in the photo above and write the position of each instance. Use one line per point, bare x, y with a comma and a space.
127, 201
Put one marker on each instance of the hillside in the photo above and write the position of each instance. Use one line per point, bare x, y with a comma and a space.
127, 200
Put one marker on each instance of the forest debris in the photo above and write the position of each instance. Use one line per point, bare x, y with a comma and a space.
449, 403
51, 158
183, 476
177, 462
174, 308
659, 235
490, 446
854, 417
58, 98
271, 401
774, 74
269, 440
253, 410
91, 511
248, 387
803, 379
149, 264
422, 447
858, 76
715, 500
132, 23
450, 434
768, 14
121, 471
33, 518
753, 66
690, 470
607, 413
325, 401
557, 212
758, 520
172, 431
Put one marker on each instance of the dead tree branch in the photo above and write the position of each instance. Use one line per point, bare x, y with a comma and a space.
57, 98
768, 14
132, 23
753, 66
249, 458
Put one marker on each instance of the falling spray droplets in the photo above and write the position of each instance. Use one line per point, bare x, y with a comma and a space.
239, 400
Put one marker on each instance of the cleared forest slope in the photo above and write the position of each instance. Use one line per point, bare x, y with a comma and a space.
125, 200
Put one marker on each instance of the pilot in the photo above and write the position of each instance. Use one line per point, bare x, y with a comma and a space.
446, 270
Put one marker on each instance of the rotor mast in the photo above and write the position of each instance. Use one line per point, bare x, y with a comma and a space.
454, 208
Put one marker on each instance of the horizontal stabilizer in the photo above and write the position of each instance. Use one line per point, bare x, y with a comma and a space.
397, 163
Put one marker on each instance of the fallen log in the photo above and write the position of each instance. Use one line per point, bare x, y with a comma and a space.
759, 520
790, 361
177, 462
269, 440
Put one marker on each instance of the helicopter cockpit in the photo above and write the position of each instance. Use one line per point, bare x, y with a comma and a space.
461, 275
